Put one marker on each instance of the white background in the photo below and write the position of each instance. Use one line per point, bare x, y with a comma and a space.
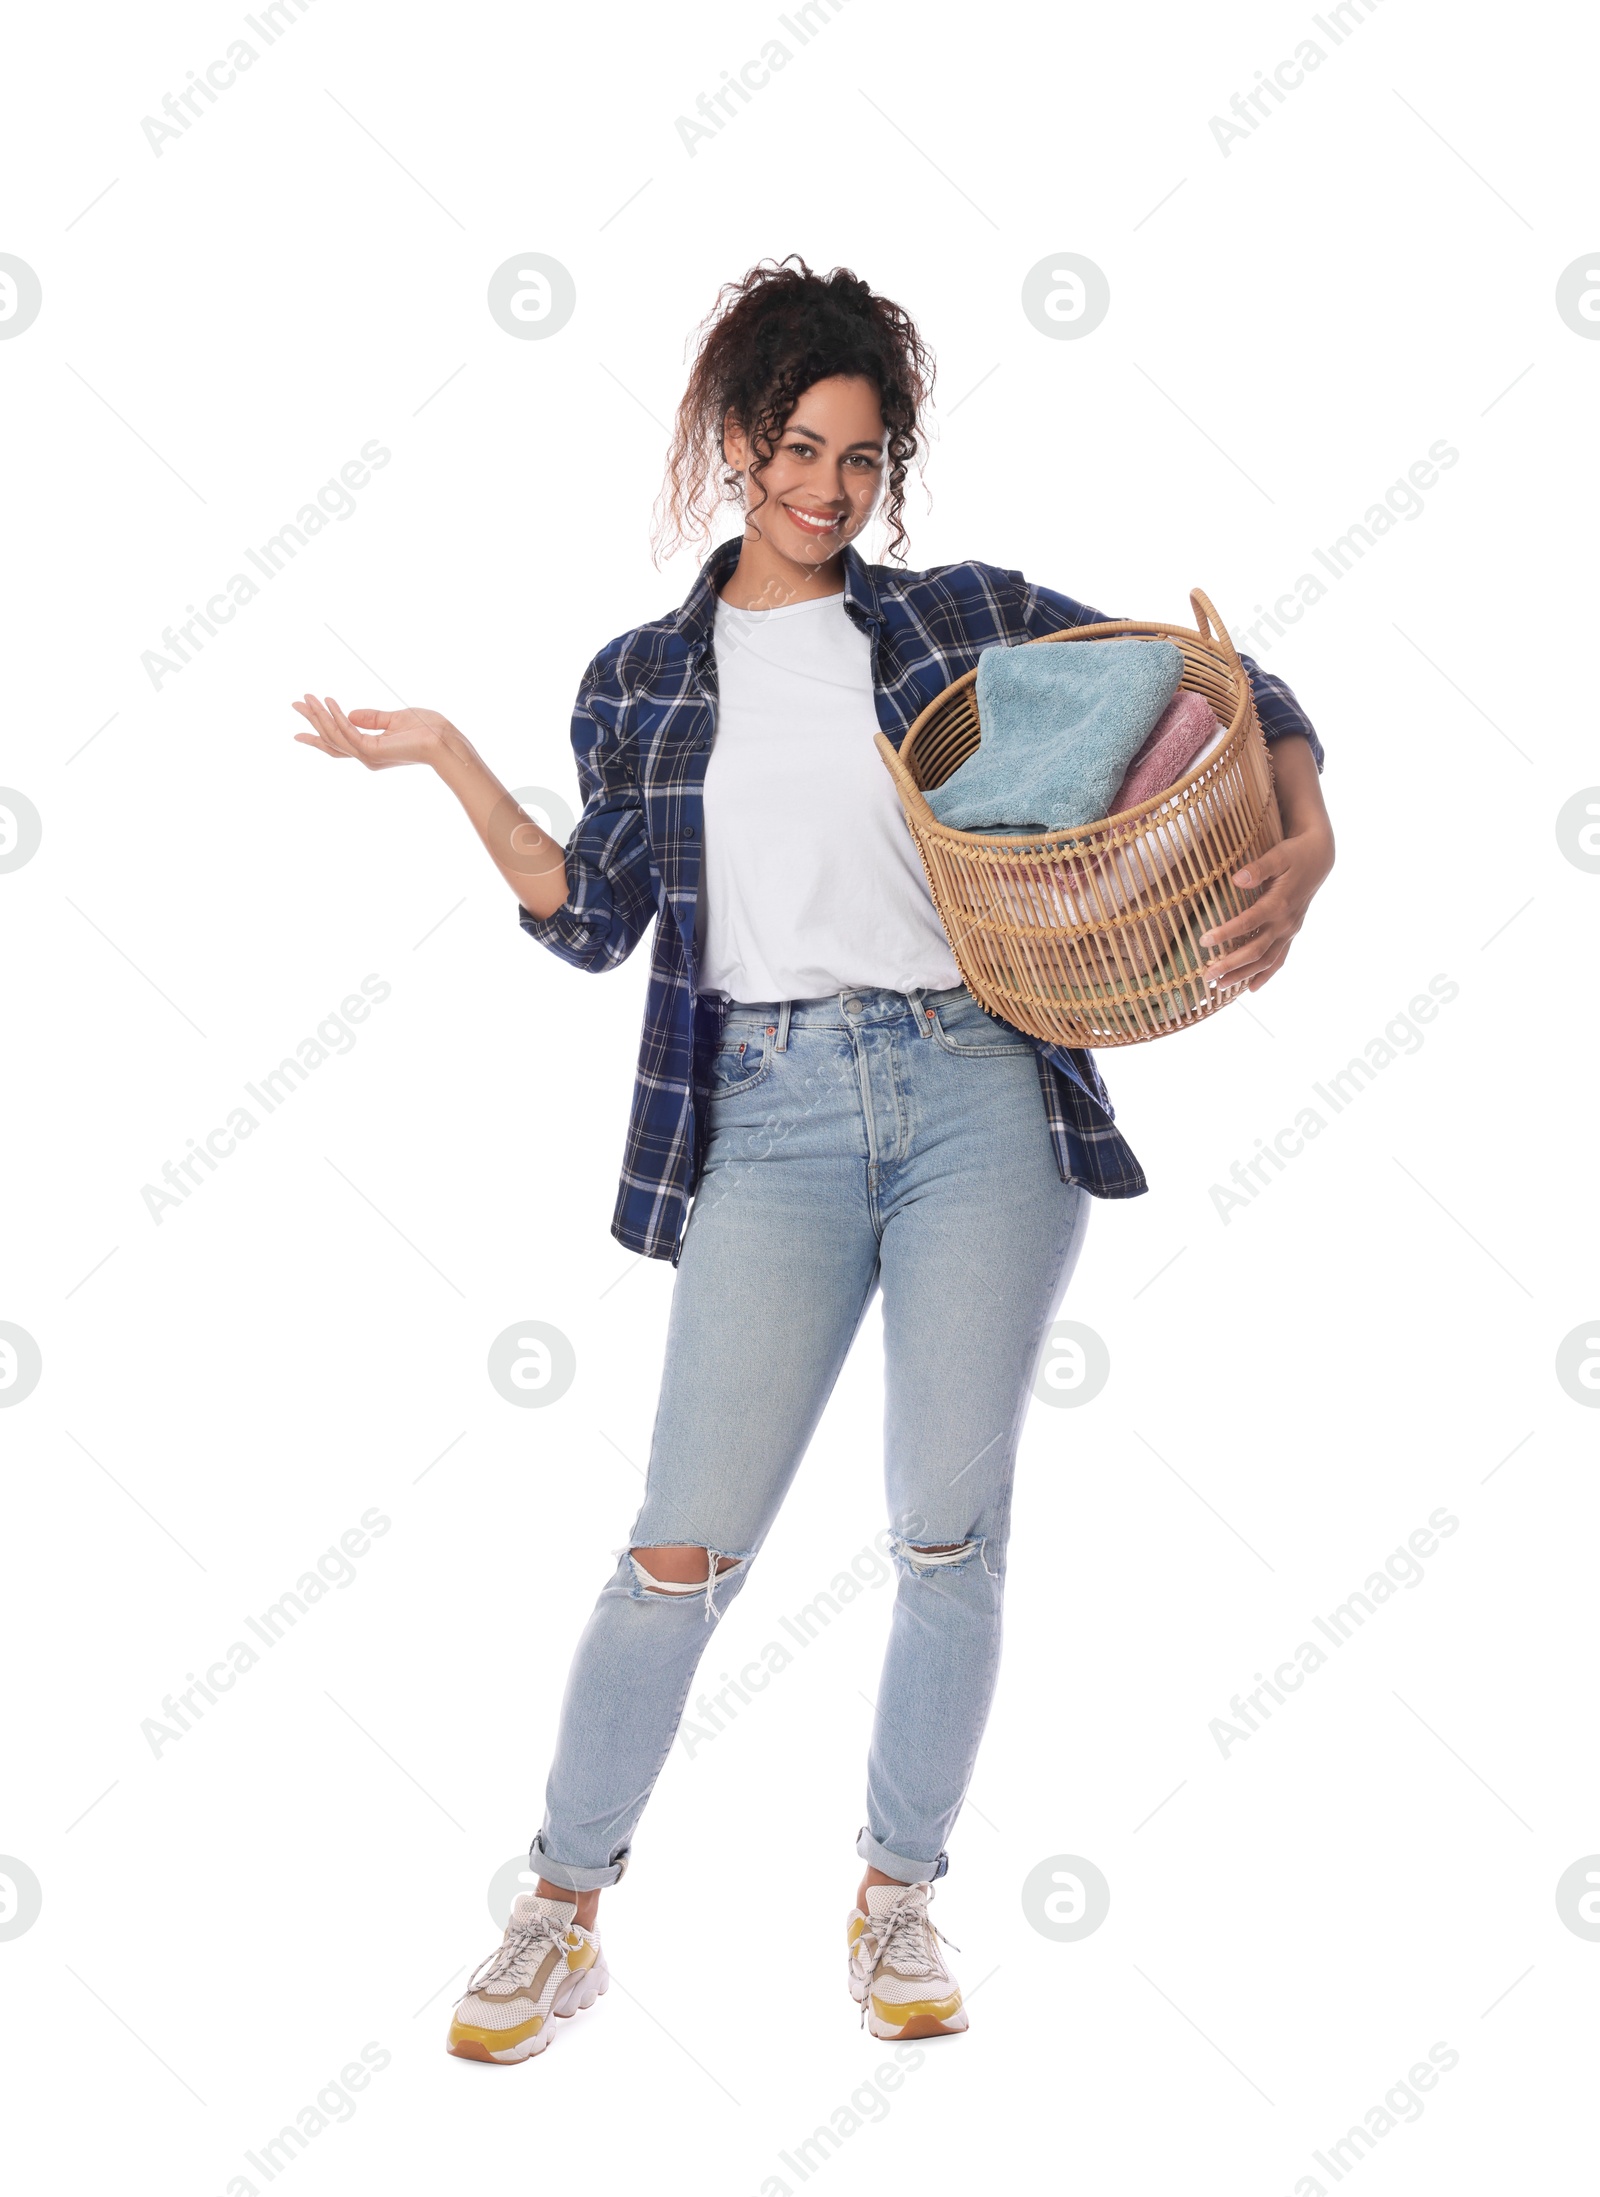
1292, 1392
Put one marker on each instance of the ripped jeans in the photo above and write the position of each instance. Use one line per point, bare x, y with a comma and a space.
872, 1139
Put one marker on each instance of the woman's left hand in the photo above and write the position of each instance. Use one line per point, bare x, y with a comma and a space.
1255, 944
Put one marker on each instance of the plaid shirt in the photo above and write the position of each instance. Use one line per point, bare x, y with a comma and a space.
641, 731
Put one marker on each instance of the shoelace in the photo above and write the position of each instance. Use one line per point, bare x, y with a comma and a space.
906, 1931
516, 1959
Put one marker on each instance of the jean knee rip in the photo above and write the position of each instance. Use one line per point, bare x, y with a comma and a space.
921, 1559
648, 1588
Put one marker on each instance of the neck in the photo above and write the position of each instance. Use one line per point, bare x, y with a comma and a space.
762, 580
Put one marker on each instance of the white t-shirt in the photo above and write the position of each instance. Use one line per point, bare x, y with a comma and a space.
810, 880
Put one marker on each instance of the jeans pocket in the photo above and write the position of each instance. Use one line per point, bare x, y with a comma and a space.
743, 1060
960, 1025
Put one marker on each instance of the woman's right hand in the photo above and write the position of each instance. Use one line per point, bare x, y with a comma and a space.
377, 737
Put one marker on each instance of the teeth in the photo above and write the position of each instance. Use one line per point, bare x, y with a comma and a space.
806, 518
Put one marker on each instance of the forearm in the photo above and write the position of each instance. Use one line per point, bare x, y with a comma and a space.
531, 862
1299, 790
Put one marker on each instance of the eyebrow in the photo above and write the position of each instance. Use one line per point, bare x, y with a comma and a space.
866, 442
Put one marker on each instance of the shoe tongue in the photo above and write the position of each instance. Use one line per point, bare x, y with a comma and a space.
529, 1906
882, 1897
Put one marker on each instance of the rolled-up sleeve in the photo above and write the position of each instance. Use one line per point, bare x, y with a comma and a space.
612, 887
1046, 610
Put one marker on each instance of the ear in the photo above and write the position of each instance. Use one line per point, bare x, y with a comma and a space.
735, 444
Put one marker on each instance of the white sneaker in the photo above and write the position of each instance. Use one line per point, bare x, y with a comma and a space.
898, 1975
545, 1966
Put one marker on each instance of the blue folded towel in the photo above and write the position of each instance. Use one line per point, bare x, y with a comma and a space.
1061, 723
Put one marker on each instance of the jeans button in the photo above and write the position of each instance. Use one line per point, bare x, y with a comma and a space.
852, 1006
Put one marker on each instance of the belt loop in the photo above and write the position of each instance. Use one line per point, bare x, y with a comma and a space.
783, 1025
918, 1015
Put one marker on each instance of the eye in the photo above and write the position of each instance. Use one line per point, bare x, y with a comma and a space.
801, 449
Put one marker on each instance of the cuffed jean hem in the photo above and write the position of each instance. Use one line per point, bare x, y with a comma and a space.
897, 1865
573, 1879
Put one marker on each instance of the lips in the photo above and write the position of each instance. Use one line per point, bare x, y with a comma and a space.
819, 523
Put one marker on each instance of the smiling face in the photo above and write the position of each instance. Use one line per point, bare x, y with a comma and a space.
821, 484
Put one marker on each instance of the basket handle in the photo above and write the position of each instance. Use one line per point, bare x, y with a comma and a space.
911, 794
1206, 617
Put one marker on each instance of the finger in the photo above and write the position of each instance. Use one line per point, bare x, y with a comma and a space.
318, 715
362, 742
1229, 968
1262, 914
1281, 923
315, 738
1261, 877
1271, 970
1239, 968
1274, 863
1233, 937
372, 720
1254, 977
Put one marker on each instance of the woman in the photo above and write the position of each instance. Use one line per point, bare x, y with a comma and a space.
821, 1108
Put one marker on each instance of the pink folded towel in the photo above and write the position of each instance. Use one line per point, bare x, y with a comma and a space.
1180, 733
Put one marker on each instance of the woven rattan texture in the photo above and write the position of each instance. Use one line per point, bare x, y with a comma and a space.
1090, 936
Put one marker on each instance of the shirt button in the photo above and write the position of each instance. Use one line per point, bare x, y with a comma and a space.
688, 831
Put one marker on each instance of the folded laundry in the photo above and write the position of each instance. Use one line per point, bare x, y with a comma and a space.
1060, 725
1212, 736
1185, 726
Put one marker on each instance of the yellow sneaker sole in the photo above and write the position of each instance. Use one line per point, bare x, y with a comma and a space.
917, 2017
510, 2047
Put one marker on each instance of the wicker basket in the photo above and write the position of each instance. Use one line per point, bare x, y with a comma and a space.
1090, 936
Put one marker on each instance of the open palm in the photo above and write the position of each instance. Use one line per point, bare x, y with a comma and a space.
377, 737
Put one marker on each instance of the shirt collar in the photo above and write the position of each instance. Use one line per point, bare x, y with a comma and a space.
698, 610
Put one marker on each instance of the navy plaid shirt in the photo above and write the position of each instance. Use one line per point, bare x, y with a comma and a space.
641, 731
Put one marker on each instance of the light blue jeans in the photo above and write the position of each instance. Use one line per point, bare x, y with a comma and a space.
873, 1139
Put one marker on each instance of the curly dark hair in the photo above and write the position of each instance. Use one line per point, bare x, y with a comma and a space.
765, 341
